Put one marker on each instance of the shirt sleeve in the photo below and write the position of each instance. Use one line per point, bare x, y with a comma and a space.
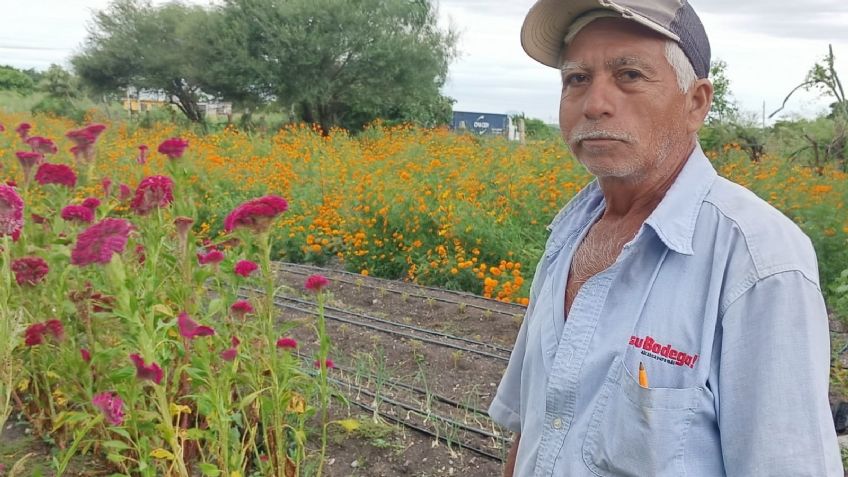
774, 412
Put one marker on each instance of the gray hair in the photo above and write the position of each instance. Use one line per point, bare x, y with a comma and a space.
678, 60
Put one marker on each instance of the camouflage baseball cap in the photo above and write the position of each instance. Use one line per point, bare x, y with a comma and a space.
548, 21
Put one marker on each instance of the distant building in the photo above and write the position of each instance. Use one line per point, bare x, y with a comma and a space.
139, 101
484, 124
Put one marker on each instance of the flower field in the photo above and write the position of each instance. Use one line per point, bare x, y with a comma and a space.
123, 330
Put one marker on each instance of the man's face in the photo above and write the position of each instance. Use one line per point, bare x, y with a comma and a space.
621, 110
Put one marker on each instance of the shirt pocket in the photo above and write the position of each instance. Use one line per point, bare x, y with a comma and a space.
636, 431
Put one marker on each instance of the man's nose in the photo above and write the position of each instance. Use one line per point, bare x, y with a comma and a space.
598, 102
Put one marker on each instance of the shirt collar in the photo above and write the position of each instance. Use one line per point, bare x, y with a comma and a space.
674, 218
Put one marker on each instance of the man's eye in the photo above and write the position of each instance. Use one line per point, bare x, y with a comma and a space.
630, 75
576, 79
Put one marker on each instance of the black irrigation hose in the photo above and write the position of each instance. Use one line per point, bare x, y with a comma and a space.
430, 433
277, 301
408, 407
520, 308
401, 384
400, 325
417, 410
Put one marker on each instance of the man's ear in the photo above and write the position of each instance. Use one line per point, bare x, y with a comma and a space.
699, 100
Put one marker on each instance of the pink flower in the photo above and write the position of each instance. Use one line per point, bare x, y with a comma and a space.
2, 128
97, 243
152, 192
327, 362
38, 219
229, 354
245, 268
139, 253
190, 329
11, 211
91, 203
124, 192
241, 308
106, 183
213, 257
28, 161
151, 372
183, 225
35, 333
142, 154
316, 283
56, 174
173, 147
77, 213
256, 214
85, 138
86, 355
23, 130
286, 343
29, 270
234, 341
42, 145
111, 405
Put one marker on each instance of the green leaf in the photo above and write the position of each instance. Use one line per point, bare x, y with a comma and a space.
117, 445
116, 458
208, 469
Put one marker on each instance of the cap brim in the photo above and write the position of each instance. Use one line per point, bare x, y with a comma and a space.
547, 22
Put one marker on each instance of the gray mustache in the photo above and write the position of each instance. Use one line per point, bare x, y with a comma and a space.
579, 136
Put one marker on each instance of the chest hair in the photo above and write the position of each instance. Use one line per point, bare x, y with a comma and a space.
597, 251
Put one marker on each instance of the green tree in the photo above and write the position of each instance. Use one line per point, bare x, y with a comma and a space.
133, 44
724, 108
12, 79
335, 62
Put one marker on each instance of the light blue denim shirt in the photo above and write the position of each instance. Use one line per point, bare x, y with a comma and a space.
718, 296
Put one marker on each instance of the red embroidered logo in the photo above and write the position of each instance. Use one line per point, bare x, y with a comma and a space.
666, 353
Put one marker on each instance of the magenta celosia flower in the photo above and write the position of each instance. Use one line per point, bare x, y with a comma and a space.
241, 308
150, 372
142, 154
139, 253
2, 128
36, 332
38, 219
106, 184
245, 268
213, 257
287, 343
173, 147
183, 225
59, 174
97, 243
235, 341
191, 329
124, 192
11, 211
28, 160
86, 355
42, 145
256, 214
85, 139
29, 270
91, 203
111, 405
23, 130
327, 362
316, 283
152, 192
229, 354
77, 213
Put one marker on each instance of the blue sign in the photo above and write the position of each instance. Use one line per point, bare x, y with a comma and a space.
481, 123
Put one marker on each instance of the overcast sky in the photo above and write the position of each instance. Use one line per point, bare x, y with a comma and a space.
768, 45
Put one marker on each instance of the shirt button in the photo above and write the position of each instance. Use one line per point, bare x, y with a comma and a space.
557, 423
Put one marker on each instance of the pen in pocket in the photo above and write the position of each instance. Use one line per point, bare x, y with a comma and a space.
643, 375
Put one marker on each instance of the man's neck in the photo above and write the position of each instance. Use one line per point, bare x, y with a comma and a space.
630, 198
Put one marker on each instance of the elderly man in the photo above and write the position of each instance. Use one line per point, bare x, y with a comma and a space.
676, 325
